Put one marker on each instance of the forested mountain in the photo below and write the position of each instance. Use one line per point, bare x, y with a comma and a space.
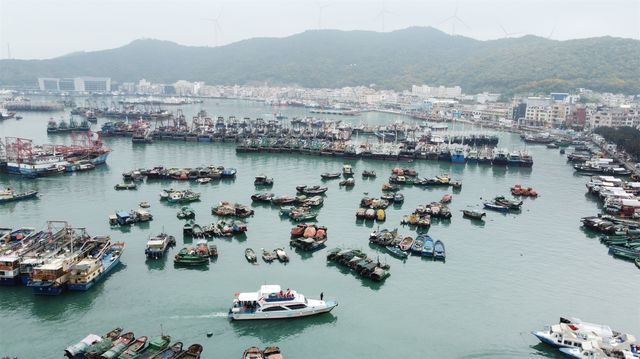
333, 58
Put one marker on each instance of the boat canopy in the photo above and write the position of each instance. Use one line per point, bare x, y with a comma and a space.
248, 297
122, 214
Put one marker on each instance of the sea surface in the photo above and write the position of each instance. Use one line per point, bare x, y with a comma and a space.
502, 279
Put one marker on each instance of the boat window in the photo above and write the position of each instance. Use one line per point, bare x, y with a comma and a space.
272, 309
296, 306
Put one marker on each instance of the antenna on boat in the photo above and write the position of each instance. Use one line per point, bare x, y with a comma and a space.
161, 330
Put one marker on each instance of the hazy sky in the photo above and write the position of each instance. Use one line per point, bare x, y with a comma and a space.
36, 29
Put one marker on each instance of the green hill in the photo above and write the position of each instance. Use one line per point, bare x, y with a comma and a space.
332, 58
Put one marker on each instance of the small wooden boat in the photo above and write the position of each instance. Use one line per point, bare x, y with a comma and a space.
134, 349
186, 213
438, 250
262, 197
349, 182
397, 252
313, 190
390, 188
398, 198
144, 204
446, 198
250, 255
496, 207
9, 195
473, 214
252, 353
170, 352
283, 200
203, 180
267, 256
272, 353
330, 175
388, 196
427, 247
369, 174
193, 352
511, 204
417, 245
282, 255
405, 243
125, 186
263, 180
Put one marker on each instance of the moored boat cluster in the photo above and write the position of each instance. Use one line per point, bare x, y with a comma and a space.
358, 262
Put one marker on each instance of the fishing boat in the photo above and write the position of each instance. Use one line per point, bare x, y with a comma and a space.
263, 180
347, 170
518, 190
9, 195
125, 186
283, 200
250, 255
156, 345
119, 346
190, 257
92, 269
229, 173
252, 353
624, 252
473, 214
446, 198
267, 256
272, 353
158, 245
330, 175
438, 250
186, 212
262, 197
405, 243
398, 198
144, 205
511, 204
203, 180
281, 254
187, 228
349, 182
271, 302
92, 344
496, 207
193, 352
390, 188
312, 190
418, 245
136, 348
368, 174
428, 248
397, 252
170, 352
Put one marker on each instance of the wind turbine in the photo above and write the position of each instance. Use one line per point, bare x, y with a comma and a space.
506, 33
382, 13
321, 7
217, 29
453, 19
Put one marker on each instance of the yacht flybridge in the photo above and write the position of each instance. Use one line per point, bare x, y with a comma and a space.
271, 302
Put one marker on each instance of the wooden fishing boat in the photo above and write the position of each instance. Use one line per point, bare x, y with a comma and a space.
134, 349
193, 352
397, 252
388, 196
390, 188
267, 256
250, 255
125, 186
298, 230
252, 353
496, 207
473, 214
349, 182
428, 247
186, 213
272, 353
282, 255
313, 190
283, 200
144, 204
263, 180
262, 197
438, 250
398, 198
369, 174
170, 352
405, 243
511, 204
302, 216
156, 345
119, 346
190, 257
446, 198
417, 245
203, 180
9, 195
330, 175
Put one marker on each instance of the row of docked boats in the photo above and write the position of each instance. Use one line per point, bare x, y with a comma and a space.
300, 200
267, 255
219, 229
56, 259
117, 344
228, 209
402, 246
358, 262
257, 353
618, 197
63, 126
582, 340
422, 216
180, 174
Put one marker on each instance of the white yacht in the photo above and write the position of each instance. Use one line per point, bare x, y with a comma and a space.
271, 302
574, 333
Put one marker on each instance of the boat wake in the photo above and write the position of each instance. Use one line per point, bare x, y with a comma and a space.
201, 316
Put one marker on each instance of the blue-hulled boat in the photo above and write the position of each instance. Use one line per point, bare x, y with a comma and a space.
417, 245
457, 156
89, 271
438, 250
229, 172
397, 252
496, 207
427, 248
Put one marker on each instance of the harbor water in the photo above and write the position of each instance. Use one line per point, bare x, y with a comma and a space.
513, 274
